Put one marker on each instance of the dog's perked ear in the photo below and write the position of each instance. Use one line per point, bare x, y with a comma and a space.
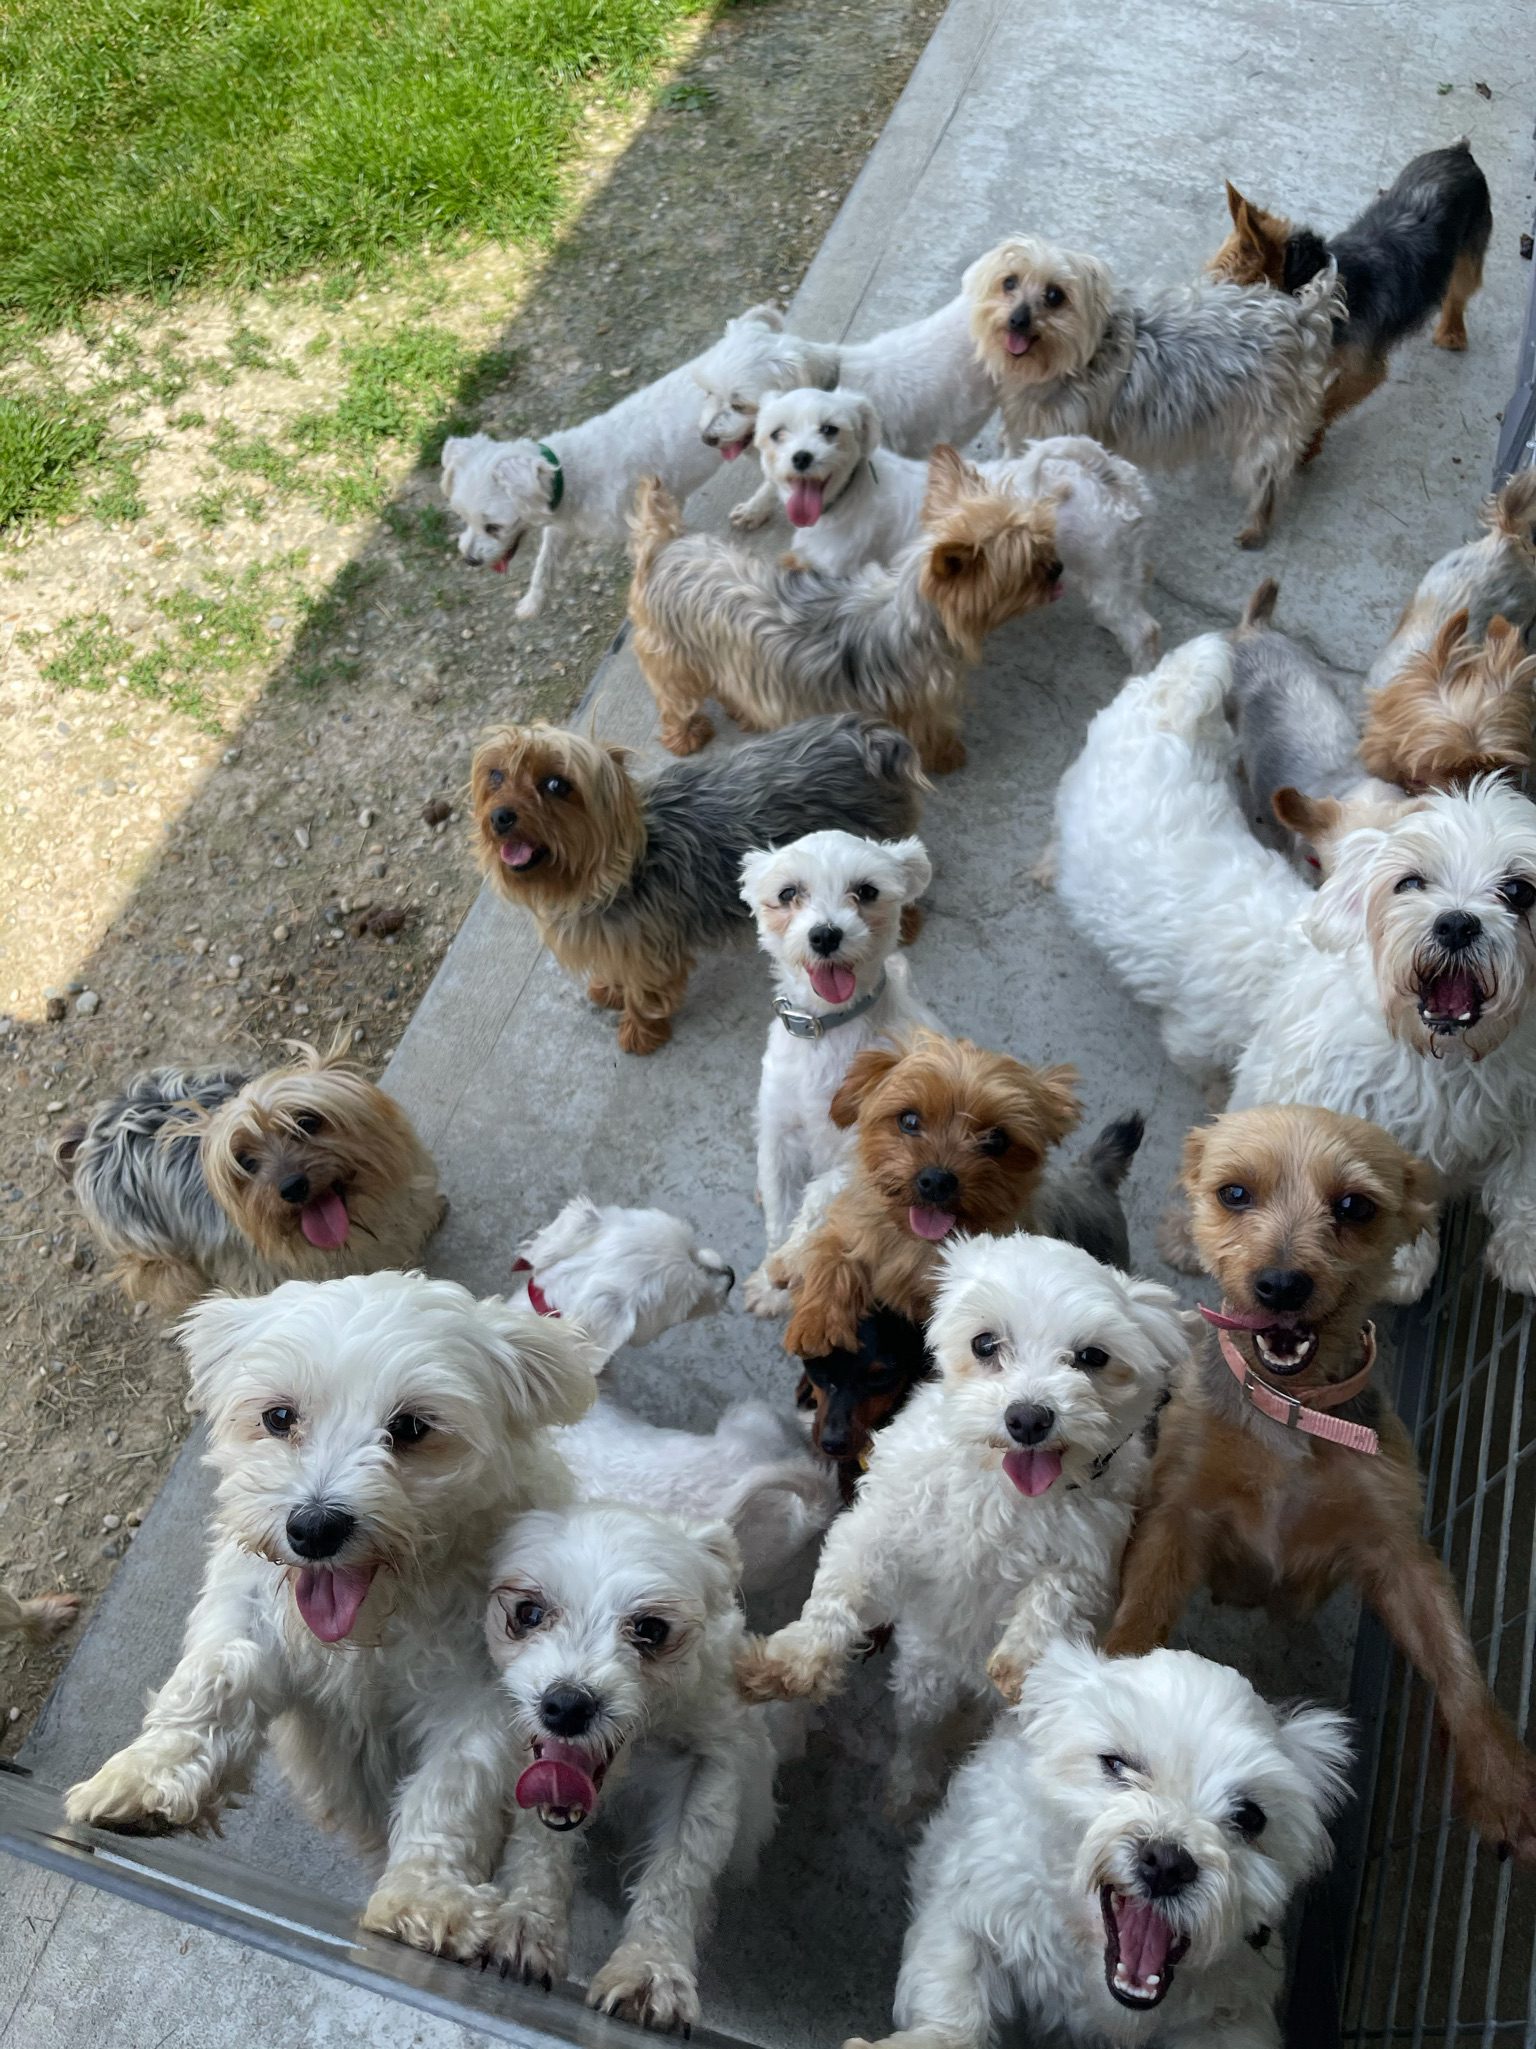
865, 1071
1310, 818
1051, 1094
546, 1365
1320, 1744
950, 476
1445, 647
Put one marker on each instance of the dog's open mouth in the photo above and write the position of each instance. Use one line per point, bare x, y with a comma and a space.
729, 450
1284, 1343
325, 1222
932, 1224
1140, 1950
832, 981
1451, 1002
521, 855
562, 1782
328, 1598
803, 505
501, 561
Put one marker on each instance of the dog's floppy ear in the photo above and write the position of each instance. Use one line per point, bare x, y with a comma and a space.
1320, 1744
871, 432
916, 868
865, 1070
1310, 818
217, 1328
1336, 918
754, 866
719, 1541
1193, 1158
1166, 1323
65, 1147
546, 1364
453, 455
1065, 1670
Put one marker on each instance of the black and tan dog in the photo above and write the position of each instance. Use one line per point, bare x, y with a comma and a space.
855, 1391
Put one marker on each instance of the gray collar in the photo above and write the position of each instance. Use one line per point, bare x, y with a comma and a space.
810, 1024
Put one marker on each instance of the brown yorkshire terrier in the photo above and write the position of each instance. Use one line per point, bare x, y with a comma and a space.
202, 1178
1461, 708
948, 1138
631, 877
1282, 1470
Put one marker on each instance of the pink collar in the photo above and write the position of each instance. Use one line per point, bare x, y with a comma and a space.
538, 1301
1297, 1411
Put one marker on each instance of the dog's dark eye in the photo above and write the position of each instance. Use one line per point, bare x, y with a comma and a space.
910, 1122
525, 1617
1011, 282
1248, 1818
994, 1143
1354, 1209
279, 1421
554, 786
1518, 893
1055, 296
788, 893
650, 1631
829, 432
1408, 882
246, 1162
406, 1429
866, 893
493, 532
985, 1343
494, 779
1233, 1195
1114, 1767
1090, 1357
777, 434
309, 1122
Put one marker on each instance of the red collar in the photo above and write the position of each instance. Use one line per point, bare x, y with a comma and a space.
1298, 1411
538, 1301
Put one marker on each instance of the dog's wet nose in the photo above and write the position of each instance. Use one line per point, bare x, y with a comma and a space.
801, 459
503, 818
1019, 319
710, 438
317, 1531
1283, 1287
568, 1710
1454, 931
295, 1189
1029, 1423
836, 1440
1165, 1869
936, 1187
825, 939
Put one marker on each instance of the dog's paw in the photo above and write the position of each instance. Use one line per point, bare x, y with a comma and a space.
1413, 1267
944, 755
1503, 1808
528, 608
762, 1295
652, 1988
643, 1034
605, 995
526, 1942
785, 1667
1007, 1673
813, 1332
427, 1911
687, 736
47, 1614
748, 516
1512, 1259
1253, 536
140, 1793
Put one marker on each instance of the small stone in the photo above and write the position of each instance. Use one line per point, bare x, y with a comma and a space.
231, 756
200, 945
73, 988
135, 1517
377, 868
87, 1003
365, 816
236, 962
114, 1547
111, 1522
301, 835
113, 1436
56, 1006
13, 1714
301, 1010
61, 1500
53, 1109
279, 933
437, 812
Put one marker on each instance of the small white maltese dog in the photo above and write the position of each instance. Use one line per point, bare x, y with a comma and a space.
372, 1436
1116, 1860
997, 1503
627, 1274
615, 1631
849, 505
829, 910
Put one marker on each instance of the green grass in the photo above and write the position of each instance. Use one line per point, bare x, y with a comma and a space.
145, 144
44, 442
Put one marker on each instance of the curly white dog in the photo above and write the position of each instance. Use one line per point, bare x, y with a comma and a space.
1117, 1858
372, 1436
998, 1502
627, 1274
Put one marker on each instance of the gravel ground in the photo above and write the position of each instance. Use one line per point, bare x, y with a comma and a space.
222, 815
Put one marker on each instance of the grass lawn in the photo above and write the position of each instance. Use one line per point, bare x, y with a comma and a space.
147, 143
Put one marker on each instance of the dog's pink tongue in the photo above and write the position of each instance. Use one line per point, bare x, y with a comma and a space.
731, 449
932, 1224
1033, 1472
832, 984
557, 1779
329, 1597
803, 505
1018, 344
1145, 1939
518, 853
1452, 996
325, 1222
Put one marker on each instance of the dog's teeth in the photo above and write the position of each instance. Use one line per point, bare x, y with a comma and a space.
1465, 1018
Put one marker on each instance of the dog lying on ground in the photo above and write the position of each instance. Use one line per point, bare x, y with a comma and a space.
626, 1274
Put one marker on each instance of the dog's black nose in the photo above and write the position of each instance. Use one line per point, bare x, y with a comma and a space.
836, 1441
710, 438
1283, 1287
316, 1531
1165, 1869
503, 818
1019, 318
802, 459
936, 1187
568, 1710
1029, 1423
1455, 930
295, 1189
825, 939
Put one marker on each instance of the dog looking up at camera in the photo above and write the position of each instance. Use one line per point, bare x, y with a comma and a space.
373, 1436
847, 509
771, 644
576, 485
997, 1503
1281, 1470
631, 876
1114, 1864
626, 1274
614, 1632
1198, 370
196, 1178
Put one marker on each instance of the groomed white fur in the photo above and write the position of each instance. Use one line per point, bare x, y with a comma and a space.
666, 1719
870, 504
394, 1730
977, 1576
502, 489
1007, 1910
923, 380
821, 884
627, 1274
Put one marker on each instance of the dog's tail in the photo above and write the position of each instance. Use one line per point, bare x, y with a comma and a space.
1260, 608
1511, 510
890, 757
654, 524
777, 1512
1108, 1159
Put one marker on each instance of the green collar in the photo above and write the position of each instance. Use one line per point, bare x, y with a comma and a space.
557, 489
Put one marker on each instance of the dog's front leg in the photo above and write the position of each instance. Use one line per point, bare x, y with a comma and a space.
1509, 1197
1056, 1604
554, 546
806, 1659
948, 1976
835, 1291
529, 1933
446, 1833
1413, 1266
1165, 1561
649, 1007
756, 511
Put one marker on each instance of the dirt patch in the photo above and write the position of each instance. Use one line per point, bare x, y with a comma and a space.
238, 678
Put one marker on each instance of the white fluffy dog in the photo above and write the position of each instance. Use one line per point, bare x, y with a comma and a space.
754, 1471
1116, 1860
627, 1274
615, 1632
997, 1502
829, 911
923, 380
1399, 991
373, 1436
578, 484
848, 507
